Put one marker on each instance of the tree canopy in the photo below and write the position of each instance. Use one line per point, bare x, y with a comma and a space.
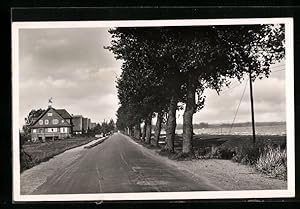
165, 66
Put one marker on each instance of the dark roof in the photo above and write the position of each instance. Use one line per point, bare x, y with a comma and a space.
63, 113
52, 125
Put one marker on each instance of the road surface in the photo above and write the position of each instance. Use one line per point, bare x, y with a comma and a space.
119, 165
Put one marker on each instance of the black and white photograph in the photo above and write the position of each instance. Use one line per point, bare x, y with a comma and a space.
153, 109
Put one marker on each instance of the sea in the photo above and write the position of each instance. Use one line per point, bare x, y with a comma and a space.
279, 130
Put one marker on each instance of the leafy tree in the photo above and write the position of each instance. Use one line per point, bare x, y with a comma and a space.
111, 125
184, 61
215, 54
136, 86
31, 117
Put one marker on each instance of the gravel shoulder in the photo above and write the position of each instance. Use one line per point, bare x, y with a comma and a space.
222, 174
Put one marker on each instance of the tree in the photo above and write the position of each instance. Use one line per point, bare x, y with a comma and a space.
32, 116
210, 56
184, 61
111, 125
141, 83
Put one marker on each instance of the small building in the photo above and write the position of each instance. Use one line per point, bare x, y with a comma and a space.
84, 125
89, 123
93, 125
77, 124
52, 124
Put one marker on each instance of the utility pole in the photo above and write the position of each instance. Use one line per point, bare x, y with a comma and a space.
252, 106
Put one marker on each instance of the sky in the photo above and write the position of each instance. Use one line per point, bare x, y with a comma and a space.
71, 66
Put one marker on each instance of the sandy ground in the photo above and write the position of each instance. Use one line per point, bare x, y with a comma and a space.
224, 174
29, 178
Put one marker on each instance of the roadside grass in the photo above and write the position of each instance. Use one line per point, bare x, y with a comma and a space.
33, 154
273, 162
95, 144
267, 155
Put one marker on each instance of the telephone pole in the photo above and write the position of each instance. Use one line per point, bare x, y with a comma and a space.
252, 106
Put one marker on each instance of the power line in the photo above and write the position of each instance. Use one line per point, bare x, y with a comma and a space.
277, 66
238, 83
238, 106
277, 70
227, 90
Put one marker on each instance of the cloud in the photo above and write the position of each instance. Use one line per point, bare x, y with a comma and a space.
269, 102
72, 66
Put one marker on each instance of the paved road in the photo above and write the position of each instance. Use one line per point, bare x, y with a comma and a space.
115, 166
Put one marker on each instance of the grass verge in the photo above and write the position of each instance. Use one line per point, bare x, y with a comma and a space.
96, 143
267, 155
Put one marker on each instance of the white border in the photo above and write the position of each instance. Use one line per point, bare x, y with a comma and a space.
289, 192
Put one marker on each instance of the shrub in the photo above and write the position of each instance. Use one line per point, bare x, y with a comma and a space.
214, 152
25, 161
180, 156
247, 154
273, 162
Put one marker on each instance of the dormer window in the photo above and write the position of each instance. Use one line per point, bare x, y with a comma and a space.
49, 114
41, 122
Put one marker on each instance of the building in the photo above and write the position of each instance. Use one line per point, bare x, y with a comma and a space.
93, 125
84, 125
77, 124
52, 124
89, 123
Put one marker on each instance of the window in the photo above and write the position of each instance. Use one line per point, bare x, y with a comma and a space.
49, 113
55, 121
62, 121
46, 122
50, 130
64, 130
33, 130
41, 122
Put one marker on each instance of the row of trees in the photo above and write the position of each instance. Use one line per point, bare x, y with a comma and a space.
168, 68
103, 128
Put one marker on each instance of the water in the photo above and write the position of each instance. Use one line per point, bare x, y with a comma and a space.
260, 130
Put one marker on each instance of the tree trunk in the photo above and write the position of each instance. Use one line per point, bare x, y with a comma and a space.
137, 131
157, 128
144, 132
148, 129
187, 145
130, 131
171, 125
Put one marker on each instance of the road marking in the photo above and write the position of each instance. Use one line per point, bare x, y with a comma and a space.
123, 159
98, 177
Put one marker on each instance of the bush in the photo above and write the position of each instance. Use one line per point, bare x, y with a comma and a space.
25, 161
273, 162
214, 152
247, 154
